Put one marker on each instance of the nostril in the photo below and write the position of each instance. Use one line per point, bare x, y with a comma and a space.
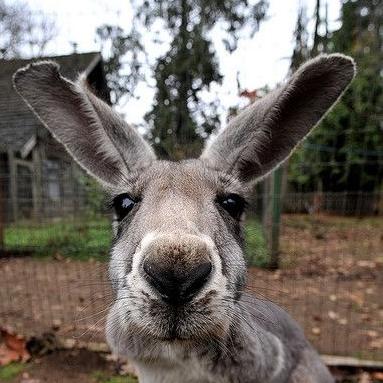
157, 277
177, 285
198, 276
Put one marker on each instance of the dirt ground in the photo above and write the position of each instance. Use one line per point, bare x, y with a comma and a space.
82, 366
79, 366
331, 281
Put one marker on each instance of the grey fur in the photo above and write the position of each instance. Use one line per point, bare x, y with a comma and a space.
223, 335
84, 124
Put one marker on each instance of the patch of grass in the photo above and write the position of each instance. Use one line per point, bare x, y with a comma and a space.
76, 239
10, 371
91, 238
101, 377
256, 250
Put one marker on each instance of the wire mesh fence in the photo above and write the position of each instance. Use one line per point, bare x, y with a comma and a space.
55, 257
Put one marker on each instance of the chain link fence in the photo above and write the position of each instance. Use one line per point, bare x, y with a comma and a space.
55, 237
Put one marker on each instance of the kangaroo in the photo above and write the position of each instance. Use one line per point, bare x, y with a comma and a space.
181, 313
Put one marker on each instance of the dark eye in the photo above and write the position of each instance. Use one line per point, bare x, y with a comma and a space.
233, 204
123, 204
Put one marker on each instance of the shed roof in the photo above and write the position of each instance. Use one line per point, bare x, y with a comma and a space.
17, 123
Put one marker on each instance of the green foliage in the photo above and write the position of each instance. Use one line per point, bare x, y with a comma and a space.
301, 50
180, 74
85, 239
179, 120
346, 152
119, 49
101, 377
95, 198
256, 249
10, 371
74, 239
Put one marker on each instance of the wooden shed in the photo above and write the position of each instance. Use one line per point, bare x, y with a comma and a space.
38, 179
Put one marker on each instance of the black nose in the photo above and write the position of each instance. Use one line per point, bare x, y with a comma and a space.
177, 285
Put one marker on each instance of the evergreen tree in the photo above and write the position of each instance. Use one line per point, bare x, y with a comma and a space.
179, 120
123, 54
301, 50
346, 152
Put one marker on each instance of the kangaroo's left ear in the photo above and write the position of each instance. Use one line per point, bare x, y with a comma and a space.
265, 133
94, 134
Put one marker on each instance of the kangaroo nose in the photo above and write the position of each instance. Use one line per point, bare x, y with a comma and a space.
176, 285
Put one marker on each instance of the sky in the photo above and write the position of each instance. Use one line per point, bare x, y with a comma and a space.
259, 61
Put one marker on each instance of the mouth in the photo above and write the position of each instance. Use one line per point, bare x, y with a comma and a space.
174, 336
154, 321
190, 321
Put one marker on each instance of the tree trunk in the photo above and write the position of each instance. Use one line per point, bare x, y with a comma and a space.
316, 29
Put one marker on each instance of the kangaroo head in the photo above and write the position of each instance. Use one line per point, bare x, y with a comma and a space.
177, 264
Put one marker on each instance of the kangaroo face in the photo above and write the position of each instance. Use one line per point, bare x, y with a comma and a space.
176, 262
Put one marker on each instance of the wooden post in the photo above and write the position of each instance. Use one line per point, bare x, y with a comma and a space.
380, 201
37, 193
266, 206
266, 212
13, 184
272, 208
276, 217
2, 210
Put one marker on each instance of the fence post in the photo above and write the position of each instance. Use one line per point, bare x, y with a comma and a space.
13, 184
36, 182
271, 215
276, 216
2, 212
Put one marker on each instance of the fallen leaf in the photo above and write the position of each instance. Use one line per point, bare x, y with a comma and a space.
332, 315
376, 344
364, 377
369, 264
372, 333
12, 348
56, 323
356, 298
25, 378
316, 330
111, 358
127, 369
8, 356
333, 297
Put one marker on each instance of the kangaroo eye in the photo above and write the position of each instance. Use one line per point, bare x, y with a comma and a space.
123, 204
233, 204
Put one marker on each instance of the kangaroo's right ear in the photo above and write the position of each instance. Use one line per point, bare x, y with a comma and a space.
265, 133
96, 136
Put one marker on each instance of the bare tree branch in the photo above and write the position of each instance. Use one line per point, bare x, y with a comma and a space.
24, 32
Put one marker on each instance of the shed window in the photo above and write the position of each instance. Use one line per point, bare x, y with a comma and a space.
52, 179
